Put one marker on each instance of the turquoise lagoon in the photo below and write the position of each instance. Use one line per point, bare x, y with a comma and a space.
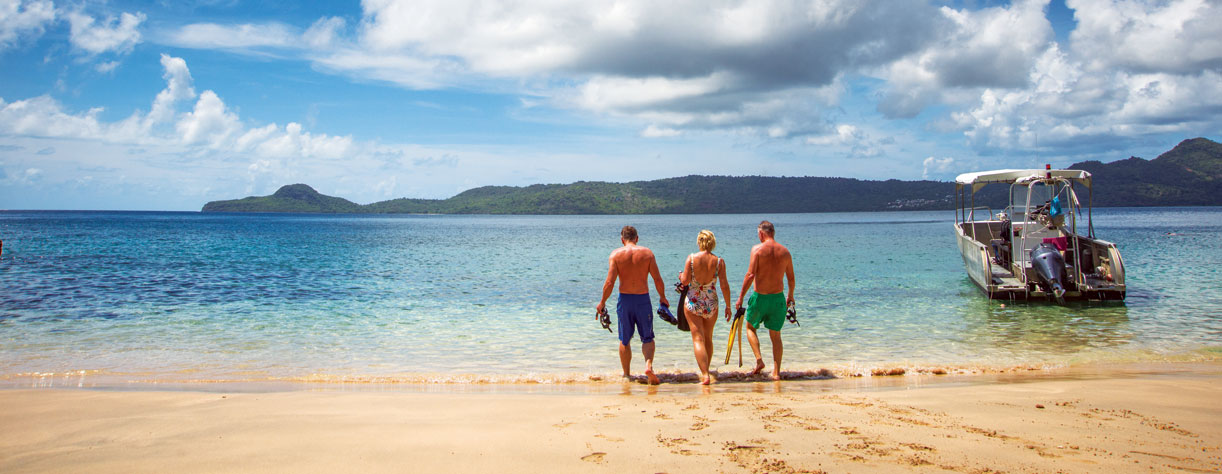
172, 297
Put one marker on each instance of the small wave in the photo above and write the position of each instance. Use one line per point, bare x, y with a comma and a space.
89, 378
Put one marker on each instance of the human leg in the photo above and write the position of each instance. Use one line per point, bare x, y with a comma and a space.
777, 350
754, 318
625, 358
755, 348
707, 327
699, 347
647, 351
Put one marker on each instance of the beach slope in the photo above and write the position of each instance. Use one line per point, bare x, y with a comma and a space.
1129, 423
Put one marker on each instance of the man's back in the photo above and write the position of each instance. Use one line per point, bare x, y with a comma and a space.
772, 261
633, 264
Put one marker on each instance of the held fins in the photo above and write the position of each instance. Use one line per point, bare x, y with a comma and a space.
735, 332
605, 320
665, 315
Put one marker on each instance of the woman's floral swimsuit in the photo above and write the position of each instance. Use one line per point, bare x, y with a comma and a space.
702, 297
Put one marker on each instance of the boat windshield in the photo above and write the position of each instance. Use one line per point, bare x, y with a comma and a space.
1040, 194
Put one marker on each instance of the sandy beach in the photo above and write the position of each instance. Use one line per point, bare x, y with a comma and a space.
1163, 418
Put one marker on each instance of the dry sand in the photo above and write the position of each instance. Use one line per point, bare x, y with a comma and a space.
1165, 420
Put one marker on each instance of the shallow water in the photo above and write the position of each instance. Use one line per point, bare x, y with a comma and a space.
189, 296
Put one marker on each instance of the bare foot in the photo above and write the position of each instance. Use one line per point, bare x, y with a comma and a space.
705, 379
759, 366
776, 376
653, 379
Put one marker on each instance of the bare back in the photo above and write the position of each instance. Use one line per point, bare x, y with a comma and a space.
705, 267
770, 263
633, 264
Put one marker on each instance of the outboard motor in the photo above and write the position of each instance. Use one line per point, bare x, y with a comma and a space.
1049, 265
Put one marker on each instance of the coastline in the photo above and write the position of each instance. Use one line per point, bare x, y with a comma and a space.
1103, 418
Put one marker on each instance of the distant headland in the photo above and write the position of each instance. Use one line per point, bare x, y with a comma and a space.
1188, 175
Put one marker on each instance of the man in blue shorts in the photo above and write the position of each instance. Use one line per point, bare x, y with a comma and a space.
770, 263
631, 264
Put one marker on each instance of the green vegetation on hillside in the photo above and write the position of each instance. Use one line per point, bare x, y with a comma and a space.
291, 198
1190, 174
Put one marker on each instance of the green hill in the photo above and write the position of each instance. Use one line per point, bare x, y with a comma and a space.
1190, 174
291, 198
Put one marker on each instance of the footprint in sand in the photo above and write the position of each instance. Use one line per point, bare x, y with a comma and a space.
594, 457
699, 425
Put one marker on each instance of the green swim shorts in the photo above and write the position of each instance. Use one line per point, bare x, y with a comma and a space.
769, 309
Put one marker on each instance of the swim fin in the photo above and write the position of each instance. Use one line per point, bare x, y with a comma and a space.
735, 332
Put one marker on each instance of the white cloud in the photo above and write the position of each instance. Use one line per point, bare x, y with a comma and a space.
653, 131
117, 35
209, 125
324, 32
742, 67
106, 67
23, 18
178, 88
244, 36
43, 117
993, 47
1177, 36
933, 166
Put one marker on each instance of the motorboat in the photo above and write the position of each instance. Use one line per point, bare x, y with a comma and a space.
1034, 248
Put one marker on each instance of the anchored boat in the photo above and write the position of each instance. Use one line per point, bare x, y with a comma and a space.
1032, 249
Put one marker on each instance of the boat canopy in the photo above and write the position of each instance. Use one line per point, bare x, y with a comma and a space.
1010, 176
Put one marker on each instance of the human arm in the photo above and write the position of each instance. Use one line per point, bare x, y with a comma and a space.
608, 285
749, 278
725, 285
789, 276
657, 281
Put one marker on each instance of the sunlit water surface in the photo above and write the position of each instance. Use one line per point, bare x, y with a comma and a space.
188, 296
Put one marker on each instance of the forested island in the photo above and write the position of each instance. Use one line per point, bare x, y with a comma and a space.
1188, 175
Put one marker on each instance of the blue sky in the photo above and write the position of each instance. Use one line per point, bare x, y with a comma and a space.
168, 105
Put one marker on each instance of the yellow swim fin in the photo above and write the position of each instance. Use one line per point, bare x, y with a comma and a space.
735, 333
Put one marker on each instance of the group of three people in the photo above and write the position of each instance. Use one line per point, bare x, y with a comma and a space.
632, 264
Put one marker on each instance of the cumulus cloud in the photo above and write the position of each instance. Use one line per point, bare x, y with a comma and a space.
20, 18
113, 34
1178, 36
932, 166
720, 65
993, 47
209, 124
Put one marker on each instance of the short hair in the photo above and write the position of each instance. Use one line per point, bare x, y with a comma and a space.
628, 233
706, 240
767, 228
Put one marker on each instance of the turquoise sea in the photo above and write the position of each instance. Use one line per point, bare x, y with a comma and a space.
91, 297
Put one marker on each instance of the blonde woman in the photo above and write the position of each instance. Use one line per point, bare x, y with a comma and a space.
700, 273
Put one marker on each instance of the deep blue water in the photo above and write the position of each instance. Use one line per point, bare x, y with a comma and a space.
174, 296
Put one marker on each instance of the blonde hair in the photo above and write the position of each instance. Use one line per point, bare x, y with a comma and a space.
706, 240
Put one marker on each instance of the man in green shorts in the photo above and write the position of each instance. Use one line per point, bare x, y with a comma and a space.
769, 262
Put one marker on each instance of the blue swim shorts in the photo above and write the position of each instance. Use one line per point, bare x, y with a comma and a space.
634, 311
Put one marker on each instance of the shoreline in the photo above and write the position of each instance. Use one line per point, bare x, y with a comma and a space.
1129, 418
885, 378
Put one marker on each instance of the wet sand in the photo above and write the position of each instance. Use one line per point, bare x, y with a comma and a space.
1163, 419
